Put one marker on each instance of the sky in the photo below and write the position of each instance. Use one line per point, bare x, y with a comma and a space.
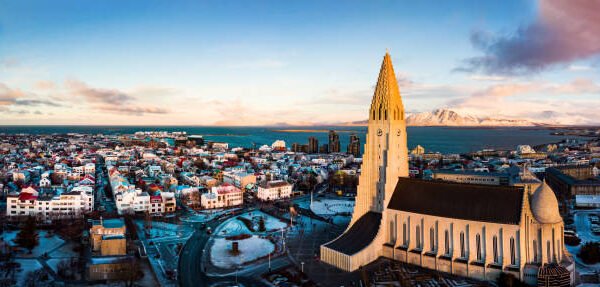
294, 62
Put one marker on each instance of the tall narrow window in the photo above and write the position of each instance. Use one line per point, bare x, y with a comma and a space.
432, 239
495, 247
391, 231
462, 245
418, 237
535, 251
404, 235
446, 243
478, 246
513, 258
548, 252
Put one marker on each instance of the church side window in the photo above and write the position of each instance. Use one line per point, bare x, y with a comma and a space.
418, 237
513, 259
404, 235
462, 245
535, 251
548, 247
495, 247
432, 239
478, 246
446, 243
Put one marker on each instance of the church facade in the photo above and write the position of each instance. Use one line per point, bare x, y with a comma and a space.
470, 230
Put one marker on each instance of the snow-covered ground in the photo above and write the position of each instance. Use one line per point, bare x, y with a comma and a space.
26, 266
46, 244
234, 226
206, 215
165, 231
271, 223
326, 206
582, 224
250, 249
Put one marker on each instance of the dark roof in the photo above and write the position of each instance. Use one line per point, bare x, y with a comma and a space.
358, 236
487, 203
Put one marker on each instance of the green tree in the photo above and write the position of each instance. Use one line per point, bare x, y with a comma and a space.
28, 237
261, 224
590, 252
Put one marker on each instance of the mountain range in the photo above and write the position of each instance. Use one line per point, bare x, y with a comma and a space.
447, 117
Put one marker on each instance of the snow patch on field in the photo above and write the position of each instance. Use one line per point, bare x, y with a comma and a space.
27, 265
250, 249
271, 223
234, 226
46, 244
328, 206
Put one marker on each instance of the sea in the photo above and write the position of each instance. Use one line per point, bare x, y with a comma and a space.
433, 139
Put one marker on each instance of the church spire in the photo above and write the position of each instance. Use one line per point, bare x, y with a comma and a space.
387, 103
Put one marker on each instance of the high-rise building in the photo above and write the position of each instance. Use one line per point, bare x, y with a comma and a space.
324, 148
473, 230
334, 142
313, 145
354, 145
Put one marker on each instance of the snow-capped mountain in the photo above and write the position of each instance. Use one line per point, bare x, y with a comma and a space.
445, 117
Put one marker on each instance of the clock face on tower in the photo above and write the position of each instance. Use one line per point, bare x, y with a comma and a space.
379, 132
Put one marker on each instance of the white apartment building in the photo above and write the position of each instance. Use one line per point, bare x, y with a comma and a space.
274, 190
51, 205
225, 195
129, 199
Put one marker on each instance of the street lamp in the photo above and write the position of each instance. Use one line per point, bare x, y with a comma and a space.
302, 266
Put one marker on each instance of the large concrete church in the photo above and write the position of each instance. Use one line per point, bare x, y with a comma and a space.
470, 230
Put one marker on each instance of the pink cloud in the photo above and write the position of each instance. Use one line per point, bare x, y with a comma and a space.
564, 31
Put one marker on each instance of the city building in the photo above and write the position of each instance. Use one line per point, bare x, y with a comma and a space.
313, 145
334, 142
472, 230
575, 183
130, 199
222, 196
107, 237
354, 145
274, 190
109, 260
49, 204
239, 179
278, 145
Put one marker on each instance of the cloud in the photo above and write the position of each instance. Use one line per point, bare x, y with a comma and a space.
116, 101
37, 103
106, 96
9, 96
564, 31
134, 110
510, 100
9, 63
487, 78
44, 85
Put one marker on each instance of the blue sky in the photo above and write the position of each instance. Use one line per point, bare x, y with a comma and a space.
269, 62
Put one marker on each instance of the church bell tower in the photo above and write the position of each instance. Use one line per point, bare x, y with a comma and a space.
386, 153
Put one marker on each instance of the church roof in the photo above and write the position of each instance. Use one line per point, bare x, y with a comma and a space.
387, 93
358, 236
486, 203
